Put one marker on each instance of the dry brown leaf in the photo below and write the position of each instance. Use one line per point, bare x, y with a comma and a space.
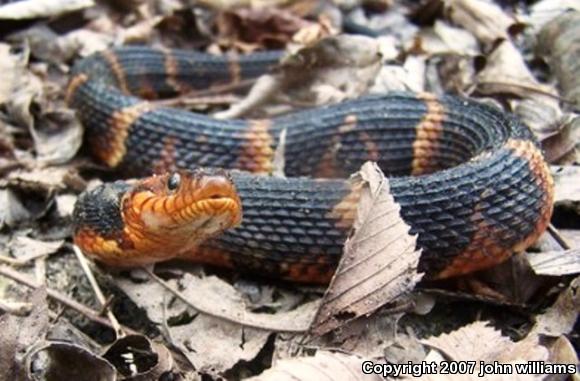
138, 357
25, 247
544, 11
57, 136
260, 27
567, 186
26, 90
554, 129
560, 318
12, 211
563, 141
506, 67
563, 352
409, 77
379, 263
57, 133
18, 334
506, 72
324, 366
43, 42
514, 283
31, 9
12, 67
212, 345
555, 263
394, 23
443, 38
141, 32
49, 178
315, 32
484, 19
66, 361
83, 42
477, 341
558, 41
484, 348
571, 236
480, 342
450, 73
218, 298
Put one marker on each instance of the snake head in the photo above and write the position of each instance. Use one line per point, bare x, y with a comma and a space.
181, 209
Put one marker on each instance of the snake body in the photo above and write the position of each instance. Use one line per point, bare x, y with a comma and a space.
470, 179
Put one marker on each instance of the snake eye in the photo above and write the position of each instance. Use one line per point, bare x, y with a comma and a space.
173, 181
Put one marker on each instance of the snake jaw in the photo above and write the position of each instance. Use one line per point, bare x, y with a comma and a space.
162, 211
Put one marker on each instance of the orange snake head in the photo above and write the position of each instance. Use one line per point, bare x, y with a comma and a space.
165, 216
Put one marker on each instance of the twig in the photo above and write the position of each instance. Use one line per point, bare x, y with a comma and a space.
98, 292
202, 96
220, 89
63, 299
23, 261
195, 101
558, 237
527, 88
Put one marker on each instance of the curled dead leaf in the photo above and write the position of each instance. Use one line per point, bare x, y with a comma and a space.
12, 66
484, 19
23, 205
139, 358
561, 144
57, 136
562, 352
408, 77
379, 263
481, 344
558, 41
544, 11
67, 361
506, 73
560, 318
443, 38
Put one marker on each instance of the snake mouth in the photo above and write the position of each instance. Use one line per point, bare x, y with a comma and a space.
195, 205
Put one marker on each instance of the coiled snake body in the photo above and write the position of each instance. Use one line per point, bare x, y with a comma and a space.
470, 179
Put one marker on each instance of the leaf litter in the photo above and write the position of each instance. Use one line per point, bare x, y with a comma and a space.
472, 47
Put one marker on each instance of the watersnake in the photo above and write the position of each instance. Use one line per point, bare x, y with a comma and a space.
470, 179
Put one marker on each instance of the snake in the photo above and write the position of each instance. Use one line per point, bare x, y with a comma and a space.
470, 179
